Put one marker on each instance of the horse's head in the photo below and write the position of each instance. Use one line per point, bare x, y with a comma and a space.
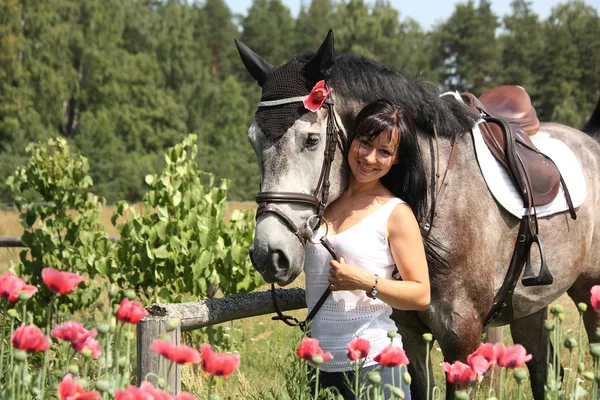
295, 148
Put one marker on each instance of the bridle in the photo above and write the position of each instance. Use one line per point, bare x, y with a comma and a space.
335, 136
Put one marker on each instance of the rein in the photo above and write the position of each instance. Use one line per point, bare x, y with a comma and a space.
265, 200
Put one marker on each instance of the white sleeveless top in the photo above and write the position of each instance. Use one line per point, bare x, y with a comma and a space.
349, 313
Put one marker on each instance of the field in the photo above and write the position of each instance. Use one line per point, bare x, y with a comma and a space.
262, 343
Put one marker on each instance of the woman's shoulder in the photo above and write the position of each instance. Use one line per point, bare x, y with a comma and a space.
402, 220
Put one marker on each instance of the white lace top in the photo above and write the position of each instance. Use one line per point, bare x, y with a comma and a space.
346, 314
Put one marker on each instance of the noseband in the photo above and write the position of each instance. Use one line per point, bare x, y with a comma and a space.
318, 201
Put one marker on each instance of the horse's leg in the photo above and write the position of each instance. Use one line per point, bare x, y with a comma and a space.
458, 339
529, 331
411, 328
580, 293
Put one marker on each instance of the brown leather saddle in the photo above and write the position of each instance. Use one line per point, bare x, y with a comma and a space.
509, 119
509, 108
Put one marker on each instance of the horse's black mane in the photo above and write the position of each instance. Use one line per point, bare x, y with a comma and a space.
364, 80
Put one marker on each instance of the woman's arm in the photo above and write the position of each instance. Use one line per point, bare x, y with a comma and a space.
406, 246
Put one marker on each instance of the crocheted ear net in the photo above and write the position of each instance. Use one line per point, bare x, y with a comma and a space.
283, 82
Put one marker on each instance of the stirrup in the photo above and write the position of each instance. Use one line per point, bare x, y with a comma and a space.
529, 277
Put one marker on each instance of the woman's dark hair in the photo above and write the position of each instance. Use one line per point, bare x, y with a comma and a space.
407, 178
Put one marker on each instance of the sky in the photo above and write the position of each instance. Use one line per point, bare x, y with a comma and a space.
426, 12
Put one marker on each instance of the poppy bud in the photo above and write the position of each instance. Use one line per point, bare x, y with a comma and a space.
407, 378
549, 326
427, 337
588, 375
87, 353
12, 313
520, 375
462, 395
122, 361
74, 369
20, 356
556, 309
214, 397
580, 367
130, 294
582, 307
102, 386
397, 392
561, 317
595, 351
570, 343
103, 328
317, 359
112, 291
173, 324
391, 333
82, 382
375, 377
24, 295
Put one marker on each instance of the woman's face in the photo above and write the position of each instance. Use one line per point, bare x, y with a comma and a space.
372, 159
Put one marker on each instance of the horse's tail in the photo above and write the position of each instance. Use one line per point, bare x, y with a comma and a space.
592, 127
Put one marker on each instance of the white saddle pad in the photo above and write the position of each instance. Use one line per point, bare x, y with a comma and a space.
501, 186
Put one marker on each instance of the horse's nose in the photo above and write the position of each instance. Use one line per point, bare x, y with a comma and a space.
279, 260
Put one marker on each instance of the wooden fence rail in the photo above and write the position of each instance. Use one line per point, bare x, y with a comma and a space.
198, 314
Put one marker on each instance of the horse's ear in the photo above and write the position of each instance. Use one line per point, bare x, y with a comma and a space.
255, 64
320, 64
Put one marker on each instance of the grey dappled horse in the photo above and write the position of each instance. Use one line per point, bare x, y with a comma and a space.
478, 234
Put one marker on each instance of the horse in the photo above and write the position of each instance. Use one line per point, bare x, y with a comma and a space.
303, 169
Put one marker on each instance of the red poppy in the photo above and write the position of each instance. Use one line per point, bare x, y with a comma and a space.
218, 364
184, 396
62, 282
72, 332
144, 392
131, 311
89, 344
358, 348
513, 357
30, 338
459, 373
317, 97
392, 356
181, 354
309, 348
11, 286
69, 390
482, 359
595, 298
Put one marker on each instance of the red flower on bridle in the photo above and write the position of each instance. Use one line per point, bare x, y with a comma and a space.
317, 96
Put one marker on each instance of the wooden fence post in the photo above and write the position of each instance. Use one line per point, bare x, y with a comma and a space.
148, 362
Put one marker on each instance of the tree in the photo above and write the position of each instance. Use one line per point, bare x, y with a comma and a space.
469, 52
313, 24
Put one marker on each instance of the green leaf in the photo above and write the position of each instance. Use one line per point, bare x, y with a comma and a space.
162, 213
149, 179
162, 252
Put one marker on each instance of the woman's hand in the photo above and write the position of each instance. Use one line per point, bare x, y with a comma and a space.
344, 276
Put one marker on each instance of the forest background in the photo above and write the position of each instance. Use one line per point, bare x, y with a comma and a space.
123, 80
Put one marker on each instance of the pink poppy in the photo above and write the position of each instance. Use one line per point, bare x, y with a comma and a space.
184, 396
459, 373
62, 282
69, 390
358, 348
146, 391
218, 364
309, 348
30, 338
595, 298
131, 311
392, 356
72, 332
90, 344
11, 286
482, 359
181, 354
514, 357
317, 96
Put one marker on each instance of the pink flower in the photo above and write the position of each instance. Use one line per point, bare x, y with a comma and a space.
317, 96
218, 364
309, 348
358, 348
459, 372
146, 391
595, 299
391, 356
482, 359
184, 396
60, 281
89, 344
72, 332
11, 285
479, 364
181, 354
131, 311
69, 390
30, 338
513, 357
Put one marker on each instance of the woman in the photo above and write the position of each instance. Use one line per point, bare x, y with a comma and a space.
373, 228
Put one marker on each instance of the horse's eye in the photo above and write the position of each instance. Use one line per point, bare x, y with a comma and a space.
312, 141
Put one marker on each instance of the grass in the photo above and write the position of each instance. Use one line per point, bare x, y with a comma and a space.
263, 344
